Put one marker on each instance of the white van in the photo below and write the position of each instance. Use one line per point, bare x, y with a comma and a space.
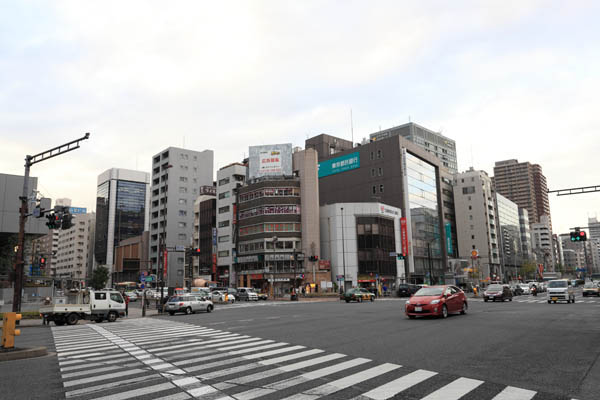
560, 290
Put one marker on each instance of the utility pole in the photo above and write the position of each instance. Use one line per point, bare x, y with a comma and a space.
29, 161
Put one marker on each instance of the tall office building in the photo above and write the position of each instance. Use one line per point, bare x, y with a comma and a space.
435, 143
204, 266
121, 211
229, 179
477, 224
399, 173
509, 230
525, 184
177, 175
542, 245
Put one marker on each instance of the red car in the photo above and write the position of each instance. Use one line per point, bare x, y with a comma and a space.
438, 301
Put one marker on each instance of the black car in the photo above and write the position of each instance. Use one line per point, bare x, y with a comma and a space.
497, 292
407, 289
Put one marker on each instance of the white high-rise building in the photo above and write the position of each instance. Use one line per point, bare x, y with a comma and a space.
476, 224
177, 175
541, 240
75, 250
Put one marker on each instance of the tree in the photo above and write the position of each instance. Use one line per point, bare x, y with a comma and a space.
99, 278
528, 269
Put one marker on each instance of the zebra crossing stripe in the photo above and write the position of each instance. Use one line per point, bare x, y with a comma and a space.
109, 385
103, 377
394, 387
98, 370
137, 392
454, 390
513, 393
210, 354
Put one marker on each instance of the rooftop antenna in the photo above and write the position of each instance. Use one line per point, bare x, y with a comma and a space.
352, 127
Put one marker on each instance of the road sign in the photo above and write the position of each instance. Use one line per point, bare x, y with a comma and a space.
340, 277
149, 279
393, 254
179, 248
142, 286
474, 253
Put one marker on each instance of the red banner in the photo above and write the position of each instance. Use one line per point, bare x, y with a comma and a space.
165, 254
404, 236
256, 276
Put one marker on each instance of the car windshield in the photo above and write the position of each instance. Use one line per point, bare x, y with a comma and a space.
176, 298
557, 284
430, 291
494, 287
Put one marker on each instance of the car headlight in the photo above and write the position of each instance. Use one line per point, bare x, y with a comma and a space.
434, 302
407, 302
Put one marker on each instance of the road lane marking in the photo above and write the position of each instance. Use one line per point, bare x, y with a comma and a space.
138, 392
513, 393
392, 388
454, 390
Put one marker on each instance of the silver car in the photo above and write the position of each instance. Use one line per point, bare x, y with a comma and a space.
219, 297
188, 304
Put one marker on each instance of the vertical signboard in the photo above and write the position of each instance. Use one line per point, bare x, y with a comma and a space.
165, 256
449, 238
270, 160
404, 236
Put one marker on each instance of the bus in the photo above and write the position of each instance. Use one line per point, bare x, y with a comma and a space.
126, 286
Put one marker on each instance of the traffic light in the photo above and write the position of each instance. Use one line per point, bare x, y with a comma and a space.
67, 221
578, 236
8, 329
313, 258
196, 251
53, 221
42, 262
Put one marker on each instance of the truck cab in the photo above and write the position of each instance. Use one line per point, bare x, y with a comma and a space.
560, 290
96, 305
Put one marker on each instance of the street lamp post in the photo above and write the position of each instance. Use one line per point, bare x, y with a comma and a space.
163, 244
343, 253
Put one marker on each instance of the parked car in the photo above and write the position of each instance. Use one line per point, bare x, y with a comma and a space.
367, 295
560, 290
516, 290
591, 289
219, 297
132, 296
525, 288
497, 292
261, 295
247, 294
234, 292
437, 301
355, 294
407, 289
188, 304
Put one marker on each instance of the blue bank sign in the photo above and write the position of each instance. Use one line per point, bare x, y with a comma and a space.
78, 210
339, 164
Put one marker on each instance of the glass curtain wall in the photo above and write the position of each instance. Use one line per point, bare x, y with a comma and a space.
101, 234
424, 213
130, 211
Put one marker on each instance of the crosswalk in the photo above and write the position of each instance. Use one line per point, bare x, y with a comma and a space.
161, 359
544, 300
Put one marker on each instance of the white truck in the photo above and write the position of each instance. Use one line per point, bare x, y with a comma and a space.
95, 305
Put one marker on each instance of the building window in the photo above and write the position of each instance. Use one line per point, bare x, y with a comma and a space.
472, 237
182, 189
182, 201
182, 236
372, 172
223, 209
223, 181
372, 156
380, 188
182, 213
182, 224
224, 195
379, 171
470, 207
224, 238
224, 253
471, 217
183, 179
374, 189
468, 190
379, 154
223, 224
179, 260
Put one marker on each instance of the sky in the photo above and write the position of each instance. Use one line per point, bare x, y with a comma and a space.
504, 79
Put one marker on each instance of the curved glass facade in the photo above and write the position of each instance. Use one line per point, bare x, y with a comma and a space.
425, 223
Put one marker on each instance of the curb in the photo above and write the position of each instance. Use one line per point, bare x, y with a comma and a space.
20, 354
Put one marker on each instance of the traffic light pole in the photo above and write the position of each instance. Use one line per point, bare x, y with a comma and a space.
20, 262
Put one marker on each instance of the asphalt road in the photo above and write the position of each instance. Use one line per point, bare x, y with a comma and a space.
549, 348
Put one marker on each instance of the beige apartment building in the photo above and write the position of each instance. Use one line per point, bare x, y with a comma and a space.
74, 255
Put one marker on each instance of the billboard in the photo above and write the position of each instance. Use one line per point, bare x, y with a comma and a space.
339, 164
270, 160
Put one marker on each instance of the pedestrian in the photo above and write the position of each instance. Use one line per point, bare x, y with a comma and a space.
126, 305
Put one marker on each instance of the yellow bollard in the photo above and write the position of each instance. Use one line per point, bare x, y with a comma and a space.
8, 329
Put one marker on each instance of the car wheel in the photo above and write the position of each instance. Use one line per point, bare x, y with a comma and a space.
486, 300
465, 307
188, 310
112, 316
444, 311
549, 302
98, 320
209, 308
347, 301
372, 298
510, 299
171, 313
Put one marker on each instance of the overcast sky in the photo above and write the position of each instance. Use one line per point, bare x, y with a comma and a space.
505, 79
